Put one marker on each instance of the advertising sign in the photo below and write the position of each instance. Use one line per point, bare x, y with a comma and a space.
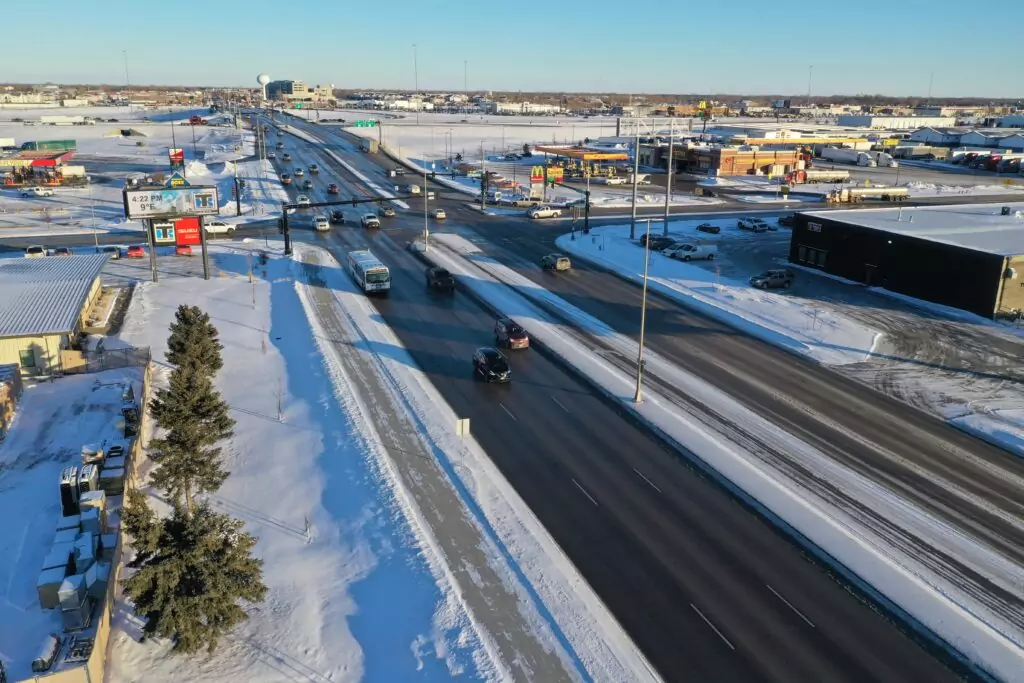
163, 233
177, 158
537, 174
186, 232
171, 202
556, 173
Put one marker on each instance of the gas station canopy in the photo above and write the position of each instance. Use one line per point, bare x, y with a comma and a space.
583, 154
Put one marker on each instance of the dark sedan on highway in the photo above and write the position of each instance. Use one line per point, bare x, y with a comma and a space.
491, 365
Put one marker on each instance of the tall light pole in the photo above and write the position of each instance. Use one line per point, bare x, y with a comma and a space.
426, 220
810, 74
636, 174
638, 395
483, 178
465, 76
668, 181
127, 81
416, 78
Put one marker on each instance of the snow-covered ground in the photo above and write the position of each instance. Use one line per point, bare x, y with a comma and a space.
53, 421
917, 189
775, 317
366, 593
109, 158
962, 618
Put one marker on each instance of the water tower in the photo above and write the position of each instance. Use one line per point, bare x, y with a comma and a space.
263, 79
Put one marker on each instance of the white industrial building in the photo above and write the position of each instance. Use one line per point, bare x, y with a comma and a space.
523, 108
895, 122
937, 136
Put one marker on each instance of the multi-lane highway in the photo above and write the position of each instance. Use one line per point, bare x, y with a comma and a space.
706, 589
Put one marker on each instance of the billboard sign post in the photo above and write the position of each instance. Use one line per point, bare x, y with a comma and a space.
171, 202
176, 156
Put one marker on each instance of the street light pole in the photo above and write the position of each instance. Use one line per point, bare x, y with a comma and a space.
416, 77
426, 221
668, 181
127, 81
636, 174
638, 395
483, 178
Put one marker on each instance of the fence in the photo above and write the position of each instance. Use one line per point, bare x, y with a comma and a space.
100, 359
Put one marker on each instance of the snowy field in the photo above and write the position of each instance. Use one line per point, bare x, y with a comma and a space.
958, 614
53, 421
110, 157
777, 318
359, 590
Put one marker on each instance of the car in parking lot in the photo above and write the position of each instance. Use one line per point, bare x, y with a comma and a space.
320, 223
491, 365
36, 251
708, 228
752, 225
299, 173
37, 192
659, 242
387, 211
439, 214
136, 251
337, 217
112, 250
556, 262
303, 200
510, 334
439, 279
63, 251
689, 252
788, 221
543, 211
370, 220
776, 278
183, 250
333, 189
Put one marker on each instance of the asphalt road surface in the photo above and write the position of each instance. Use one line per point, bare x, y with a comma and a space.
707, 590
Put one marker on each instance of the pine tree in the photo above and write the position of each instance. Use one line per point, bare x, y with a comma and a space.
194, 341
190, 589
142, 525
194, 418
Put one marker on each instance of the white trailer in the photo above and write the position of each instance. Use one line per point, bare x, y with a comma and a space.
6, 142
62, 120
883, 159
847, 156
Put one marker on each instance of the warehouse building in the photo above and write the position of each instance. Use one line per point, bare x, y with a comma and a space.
895, 122
721, 160
968, 256
44, 305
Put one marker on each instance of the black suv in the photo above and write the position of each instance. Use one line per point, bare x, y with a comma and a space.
337, 216
440, 279
491, 365
707, 227
788, 221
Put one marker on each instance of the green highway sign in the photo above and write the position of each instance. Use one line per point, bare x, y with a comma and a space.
364, 123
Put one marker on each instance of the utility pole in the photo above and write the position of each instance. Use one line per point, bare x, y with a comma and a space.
810, 74
638, 394
931, 77
668, 180
426, 220
483, 178
465, 77
238, 191
636, 172
416, 79
127, 81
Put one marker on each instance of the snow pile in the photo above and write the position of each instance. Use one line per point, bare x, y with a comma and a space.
351, 594
967, 624
780, 319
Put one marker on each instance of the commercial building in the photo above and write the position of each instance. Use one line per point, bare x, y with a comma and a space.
720, 160
895, 122
968, 256
522, 108
43, 310
298, 91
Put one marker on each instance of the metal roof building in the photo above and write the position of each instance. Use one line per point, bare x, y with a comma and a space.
42, 305
968, 256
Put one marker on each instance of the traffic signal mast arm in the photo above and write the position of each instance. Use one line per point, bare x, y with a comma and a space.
586, 201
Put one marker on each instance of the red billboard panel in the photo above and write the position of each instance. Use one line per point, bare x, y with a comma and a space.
186, 232
177, 158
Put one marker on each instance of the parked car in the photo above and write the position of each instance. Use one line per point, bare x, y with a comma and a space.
303, 200
543, 211
337, 217
183, 250
708, 192
35, 251
371, 221
439, 214
510, 334
37, 192
491, 365
660, 242
299, 173
320, 223
773, 279
219, 228
689, 252
314, 169
707, 227
439, 279
387, 211
332, 189
114, 251
136, 251
271, 155
63, 251
286, 157
556, 262
752, 225
307, 185
788, 221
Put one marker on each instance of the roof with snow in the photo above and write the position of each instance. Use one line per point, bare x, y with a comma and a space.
45, 295
980, 227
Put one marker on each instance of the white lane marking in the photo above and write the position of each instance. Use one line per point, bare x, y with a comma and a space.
650, 483
508, 411
559, 404
713, 627
584, 491
790, 606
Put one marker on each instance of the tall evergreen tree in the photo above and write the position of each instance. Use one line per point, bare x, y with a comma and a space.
192, 586
194, 341
142, 525
194, 418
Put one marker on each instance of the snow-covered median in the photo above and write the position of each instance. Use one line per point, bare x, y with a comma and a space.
780, 319
964, 623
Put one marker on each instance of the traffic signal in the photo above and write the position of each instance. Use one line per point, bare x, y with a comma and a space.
280, 225
354, 201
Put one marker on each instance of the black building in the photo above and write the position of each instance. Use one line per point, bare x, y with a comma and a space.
965, 256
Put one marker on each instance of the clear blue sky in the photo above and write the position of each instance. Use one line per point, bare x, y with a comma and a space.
733, 46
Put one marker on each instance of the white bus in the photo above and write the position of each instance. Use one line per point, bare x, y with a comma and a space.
368, 272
